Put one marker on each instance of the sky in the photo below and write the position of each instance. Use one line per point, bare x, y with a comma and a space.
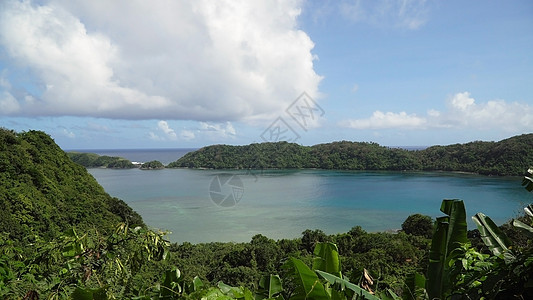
185, 74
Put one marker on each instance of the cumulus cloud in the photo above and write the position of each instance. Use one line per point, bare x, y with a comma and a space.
169, 132
381, 120
462, 113
410, 14
165, 132
217, 130
461, 101
199, 60
493, 114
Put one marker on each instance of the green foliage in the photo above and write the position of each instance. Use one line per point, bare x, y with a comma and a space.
59, 240
505, 157
96, 266
43, 193
528, 180
390, 256
327, 258
418, 224
450, 234
526, 229
311, 237
415, 287
89, 294
491, 235
92, 160
88, 266
506, 274
344, 289
306, 282
152, 165
270, 286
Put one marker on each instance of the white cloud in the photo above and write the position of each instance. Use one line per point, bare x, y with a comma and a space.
433, 113
217, 130
462, 101
68, 133
199, 60
166, 133
463, 113
187, 135
493, 114
8, 103
381, 120
410, 14
154, 136
169, 132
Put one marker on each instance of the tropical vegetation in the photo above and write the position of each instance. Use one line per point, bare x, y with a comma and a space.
152, 165
93, 160
43, 193
506, 157
62, 236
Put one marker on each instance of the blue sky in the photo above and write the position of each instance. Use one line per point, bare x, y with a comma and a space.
171, 74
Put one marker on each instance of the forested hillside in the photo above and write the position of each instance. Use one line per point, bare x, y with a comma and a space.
506, 157
92, 160
43, 193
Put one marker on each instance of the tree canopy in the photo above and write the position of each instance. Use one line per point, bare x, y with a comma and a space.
44, 193
506, 157
152, 165
93, 160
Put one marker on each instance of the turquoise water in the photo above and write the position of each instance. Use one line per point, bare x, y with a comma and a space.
283, 203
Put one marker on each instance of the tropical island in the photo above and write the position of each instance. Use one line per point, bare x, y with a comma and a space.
152, 165
504, 158
63, 237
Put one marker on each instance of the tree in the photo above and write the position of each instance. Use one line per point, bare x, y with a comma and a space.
152, 165
418, 224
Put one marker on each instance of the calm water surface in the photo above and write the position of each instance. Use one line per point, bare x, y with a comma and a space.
283, 203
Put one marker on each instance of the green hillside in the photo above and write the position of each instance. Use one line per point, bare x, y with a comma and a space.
43, 193
507, 157
93, 160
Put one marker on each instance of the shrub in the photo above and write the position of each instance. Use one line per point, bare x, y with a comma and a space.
418, 224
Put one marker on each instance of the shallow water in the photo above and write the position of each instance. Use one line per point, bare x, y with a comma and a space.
283, 203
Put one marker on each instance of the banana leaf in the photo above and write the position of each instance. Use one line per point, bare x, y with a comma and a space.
345, 284
528, 230
415, 287
491, 235
270, 285
308, 285
450, 233
528, 180
327, 258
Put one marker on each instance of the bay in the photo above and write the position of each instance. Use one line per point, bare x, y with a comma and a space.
283, 203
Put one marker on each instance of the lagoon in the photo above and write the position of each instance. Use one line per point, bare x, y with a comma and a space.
197, 205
